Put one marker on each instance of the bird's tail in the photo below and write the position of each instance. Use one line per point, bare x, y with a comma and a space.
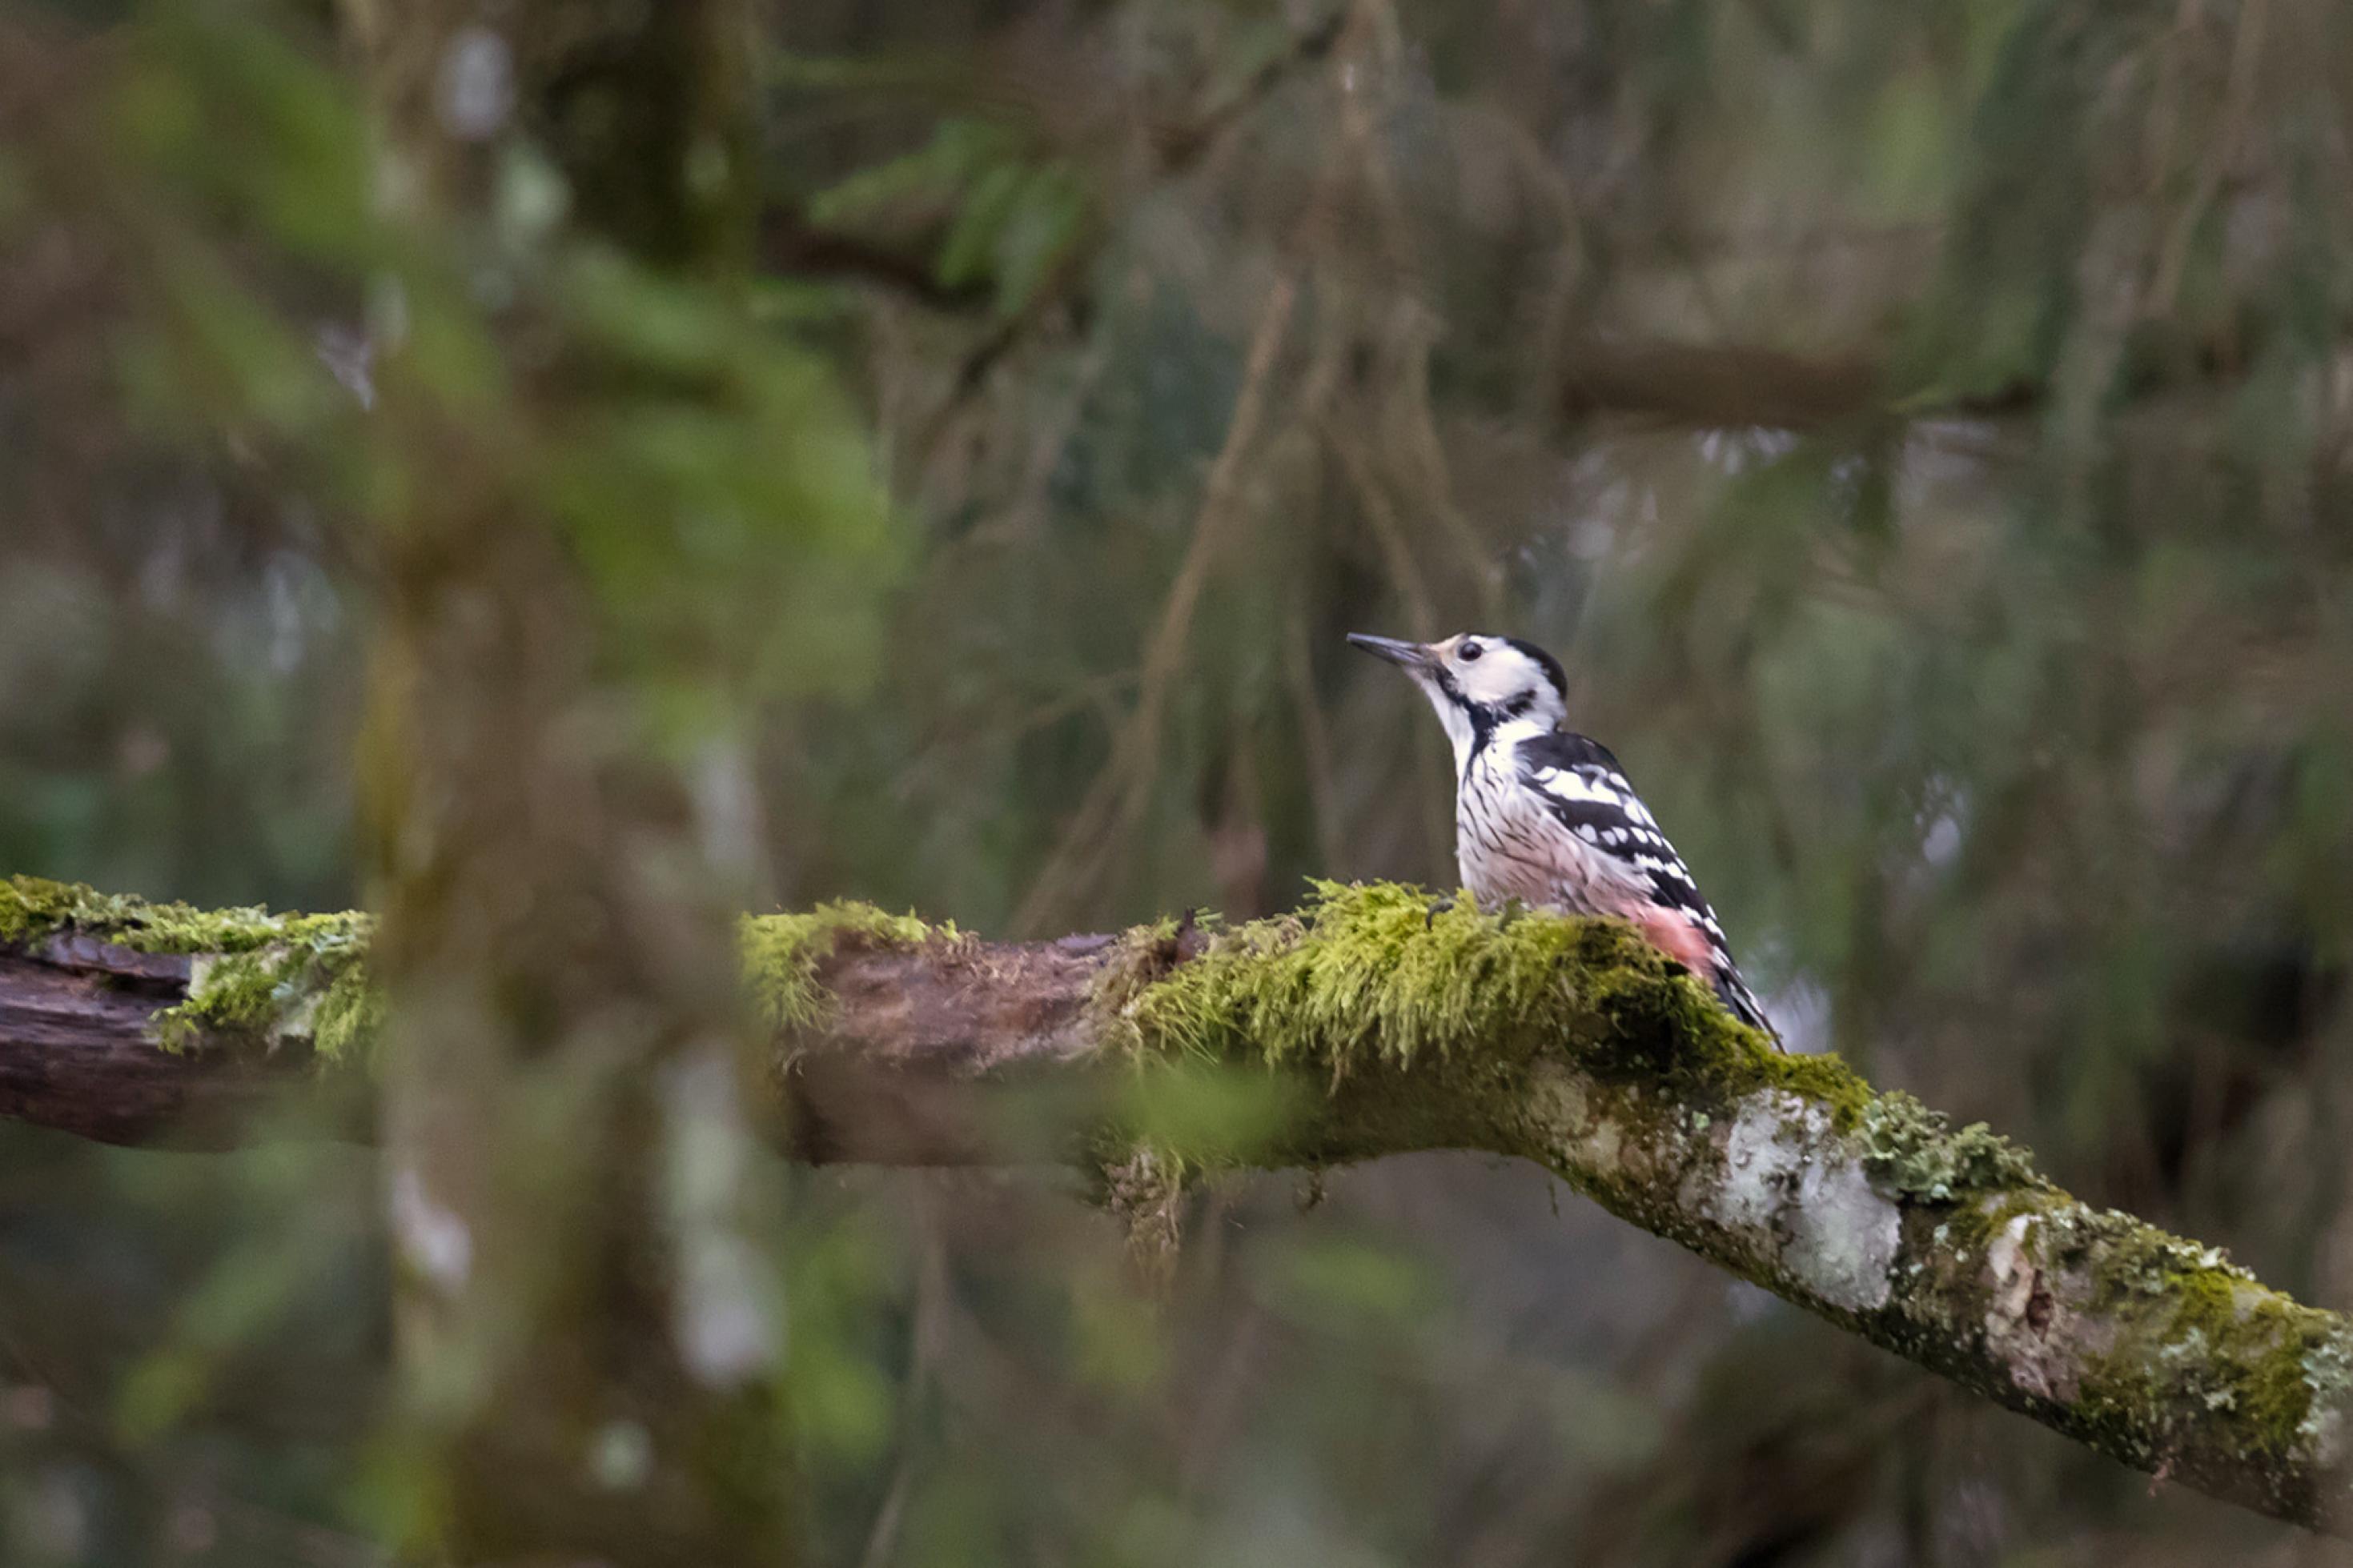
1741, 1002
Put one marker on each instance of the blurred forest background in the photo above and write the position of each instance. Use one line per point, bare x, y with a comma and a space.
1922, 431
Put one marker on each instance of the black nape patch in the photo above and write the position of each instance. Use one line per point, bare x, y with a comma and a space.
1546, 662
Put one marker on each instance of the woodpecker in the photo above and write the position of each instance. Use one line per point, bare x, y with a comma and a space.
1546, 815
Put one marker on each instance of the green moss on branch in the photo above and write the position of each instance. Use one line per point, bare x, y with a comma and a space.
254, 976
1575, 1044
1370, 975
781, 954
1387, 1026
32, 908
272, 978
2164, 1354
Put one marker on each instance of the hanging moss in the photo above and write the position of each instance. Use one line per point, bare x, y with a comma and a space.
1143, 1188
349, 1014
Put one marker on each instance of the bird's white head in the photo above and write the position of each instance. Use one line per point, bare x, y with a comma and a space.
1481, 685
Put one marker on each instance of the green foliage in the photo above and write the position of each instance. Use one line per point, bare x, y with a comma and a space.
1351, 1286
720, 491
244, 124
219, 134
1192, 1111
1012, 215
707, 473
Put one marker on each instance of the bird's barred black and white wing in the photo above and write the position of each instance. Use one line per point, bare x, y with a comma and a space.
1587, 793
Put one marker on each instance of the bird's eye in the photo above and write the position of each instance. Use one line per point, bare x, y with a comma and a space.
1468, 651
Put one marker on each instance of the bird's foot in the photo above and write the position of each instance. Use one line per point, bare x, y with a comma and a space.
1437, 907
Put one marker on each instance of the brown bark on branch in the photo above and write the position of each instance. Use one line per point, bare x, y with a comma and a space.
77, 1053
1730, 385
1569, 1044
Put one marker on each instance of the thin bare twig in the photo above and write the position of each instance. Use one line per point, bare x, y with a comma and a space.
2247, 53
1117, 799
1118, 794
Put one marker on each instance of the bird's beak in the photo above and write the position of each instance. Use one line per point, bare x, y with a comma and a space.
1412, 655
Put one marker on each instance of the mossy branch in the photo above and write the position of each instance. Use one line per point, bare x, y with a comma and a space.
1358, 1027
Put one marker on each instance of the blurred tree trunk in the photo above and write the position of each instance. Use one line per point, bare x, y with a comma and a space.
561, 953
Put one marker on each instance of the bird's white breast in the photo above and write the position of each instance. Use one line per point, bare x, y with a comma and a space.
1508, 846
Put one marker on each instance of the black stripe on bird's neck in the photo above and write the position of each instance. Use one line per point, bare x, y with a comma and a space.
1486, 718
1482, 729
